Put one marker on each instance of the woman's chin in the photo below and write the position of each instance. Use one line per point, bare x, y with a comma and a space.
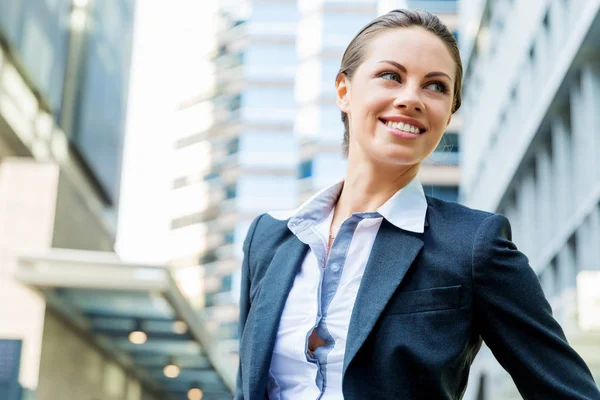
393, 155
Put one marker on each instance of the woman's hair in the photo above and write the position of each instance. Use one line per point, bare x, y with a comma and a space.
355, 52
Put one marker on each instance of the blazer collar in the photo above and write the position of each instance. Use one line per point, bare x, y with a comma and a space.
406, 209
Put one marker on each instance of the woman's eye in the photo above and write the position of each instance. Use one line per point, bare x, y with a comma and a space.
390, 76
438, 87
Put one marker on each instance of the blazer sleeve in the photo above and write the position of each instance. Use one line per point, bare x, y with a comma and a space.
516, 322
244, 301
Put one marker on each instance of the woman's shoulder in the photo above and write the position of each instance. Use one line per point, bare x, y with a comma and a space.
453, 208
267, 231
456, 216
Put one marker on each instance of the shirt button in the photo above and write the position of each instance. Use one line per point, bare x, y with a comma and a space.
335, 268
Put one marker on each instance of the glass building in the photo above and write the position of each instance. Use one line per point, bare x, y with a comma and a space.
75, 321
235, 155
531, 145
325, 29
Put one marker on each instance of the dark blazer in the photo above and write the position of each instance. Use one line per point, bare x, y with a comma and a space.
424, 305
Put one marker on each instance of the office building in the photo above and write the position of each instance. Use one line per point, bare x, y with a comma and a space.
324, 30
530, 150
235, 155
75, 321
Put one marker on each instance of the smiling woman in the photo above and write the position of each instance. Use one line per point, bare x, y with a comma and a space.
371, 289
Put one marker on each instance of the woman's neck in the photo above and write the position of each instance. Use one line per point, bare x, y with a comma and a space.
367, 187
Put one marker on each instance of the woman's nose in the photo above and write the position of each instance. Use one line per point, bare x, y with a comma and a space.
409, 100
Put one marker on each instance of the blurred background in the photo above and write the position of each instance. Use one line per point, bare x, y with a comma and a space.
138, 140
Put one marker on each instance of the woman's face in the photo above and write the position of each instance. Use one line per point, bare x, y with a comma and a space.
399, 101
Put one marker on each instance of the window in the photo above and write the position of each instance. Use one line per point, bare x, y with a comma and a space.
10, 354
98, 136
229, 237
268, 97
449, 193
330, 70
328, 168
233, 146
261, 193
270, 55
305, 170
230, 191
208, 258
344, 24
331, 123
226, 283
449, 143
268, 149
272, 11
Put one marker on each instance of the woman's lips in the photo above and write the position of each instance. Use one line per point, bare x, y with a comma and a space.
400, 134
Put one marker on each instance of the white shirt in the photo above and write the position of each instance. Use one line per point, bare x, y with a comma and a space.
323, 298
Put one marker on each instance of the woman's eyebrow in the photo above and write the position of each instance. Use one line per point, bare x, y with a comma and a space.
403, 69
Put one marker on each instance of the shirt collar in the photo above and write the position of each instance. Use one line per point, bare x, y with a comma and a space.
406, 209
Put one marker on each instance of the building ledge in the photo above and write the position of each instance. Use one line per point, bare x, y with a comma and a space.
108, 299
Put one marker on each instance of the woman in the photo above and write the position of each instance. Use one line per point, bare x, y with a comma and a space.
372, 290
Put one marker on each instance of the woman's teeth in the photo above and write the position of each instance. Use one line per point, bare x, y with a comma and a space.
403, 127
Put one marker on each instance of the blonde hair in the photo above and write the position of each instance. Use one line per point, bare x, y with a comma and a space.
355, 52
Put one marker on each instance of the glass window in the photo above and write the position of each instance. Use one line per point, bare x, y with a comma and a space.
269, 149
331, 122
39, 30
102, 99
262, 193
328, 168
330, 70
340, 28
273, 11
449, 143
268, 97
308, 84
305, 170
310, 38
448, 193
272, 55
10, 354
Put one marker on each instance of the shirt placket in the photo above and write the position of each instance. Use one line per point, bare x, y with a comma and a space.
330, 277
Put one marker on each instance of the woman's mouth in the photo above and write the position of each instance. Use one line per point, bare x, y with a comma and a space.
402, 129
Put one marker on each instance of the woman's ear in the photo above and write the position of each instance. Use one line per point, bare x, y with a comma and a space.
342, 92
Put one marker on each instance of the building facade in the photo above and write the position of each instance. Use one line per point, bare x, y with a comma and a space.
324, 31
530, 150
235, 154
262, 132
64, 72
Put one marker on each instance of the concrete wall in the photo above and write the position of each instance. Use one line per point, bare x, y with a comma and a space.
72, 368
39, 207
78, 223
27, 203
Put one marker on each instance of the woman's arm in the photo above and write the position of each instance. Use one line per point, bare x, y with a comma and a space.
516, 321
244, 300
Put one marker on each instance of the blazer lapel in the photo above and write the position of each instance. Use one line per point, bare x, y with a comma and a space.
392, 255
277, 283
